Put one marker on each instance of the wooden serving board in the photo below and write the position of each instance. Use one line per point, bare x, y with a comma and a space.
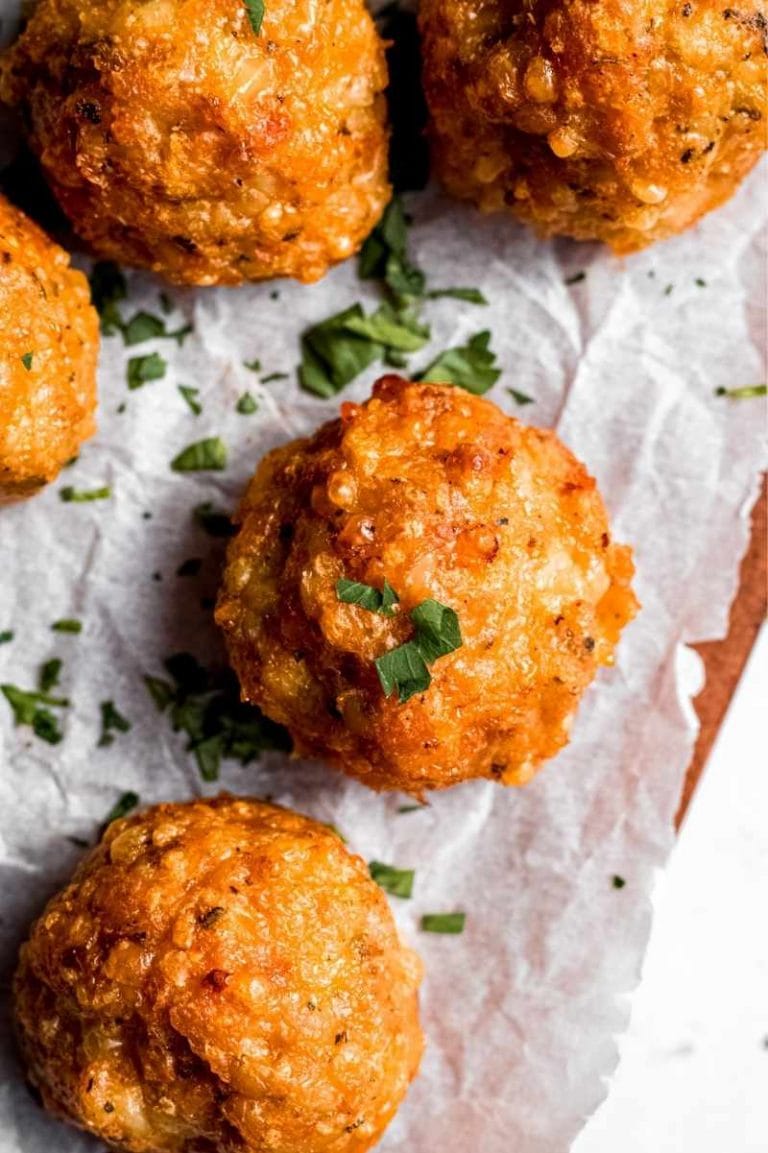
724, 660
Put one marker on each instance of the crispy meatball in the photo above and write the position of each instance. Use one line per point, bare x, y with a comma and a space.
178, 139
614, 121
222, 975
447, 499
49, 345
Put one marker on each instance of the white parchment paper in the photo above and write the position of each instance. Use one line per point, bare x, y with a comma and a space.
522, 1010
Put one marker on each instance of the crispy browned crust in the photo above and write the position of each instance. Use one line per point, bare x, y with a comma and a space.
48, 324
610, 120
444, 496
178, 140
220, 976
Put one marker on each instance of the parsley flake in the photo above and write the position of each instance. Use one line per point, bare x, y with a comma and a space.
743, 393
521, 398
49, 675
112, 721
72, 495
443, 922
332, 356
367, 597
246, 405
397, 882
127, 802
576, 278
29, 709
67, 625
209, 455
271, 376
618, 882
252, 365
190, 395
255, 10
6, 636
384, 256
143, 326
142, 369
108, 287
404, 669
470, 295
26, 360
470, 366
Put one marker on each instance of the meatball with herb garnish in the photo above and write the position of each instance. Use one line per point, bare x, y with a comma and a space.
422, 590
49, 345
202, 141
220, 975
599, 120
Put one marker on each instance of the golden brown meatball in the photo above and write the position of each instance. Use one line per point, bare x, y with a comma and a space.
49, 345
597, 119
447, 499
178, 139
222, 975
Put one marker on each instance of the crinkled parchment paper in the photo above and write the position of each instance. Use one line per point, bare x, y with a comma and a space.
521, 1011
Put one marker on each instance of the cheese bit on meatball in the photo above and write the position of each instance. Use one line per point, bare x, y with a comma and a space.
185, 138
220, 975
422, 590
613, 121
49, 345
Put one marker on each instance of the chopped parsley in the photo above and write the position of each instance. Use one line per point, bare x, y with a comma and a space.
576, 278
521, 398
405, 669
255, 10
332, 356
190, 395
33, 708
743, 393
108, 287
26, 360
367, 597
618, 882
145, 326
205, 705
252, 365
209, 455
274, 376
190, 567
67, 625
700, 282
49, 675
246, 405
72, 495
410, 808
127, 802
470, 366
397, 882
384, 256
142, 369
6, 636
112, 721
470, 295
166, 304
215, 522
443, 922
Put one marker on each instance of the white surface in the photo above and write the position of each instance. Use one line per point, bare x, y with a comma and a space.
693, 1074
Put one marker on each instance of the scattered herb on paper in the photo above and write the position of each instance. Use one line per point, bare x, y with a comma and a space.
143, 369
521, 398
744, 393
443, 922
67, 625
470, 366
6, 636
49, 675
576, 278
618, 882
397, 882
33, 709
127, 802
246, 405
108, 287
190, 395
112, 721
209, 455
72, 495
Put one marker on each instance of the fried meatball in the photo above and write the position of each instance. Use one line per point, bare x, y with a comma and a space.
49, 345
178, 139
614, 121
222, 975
447, 499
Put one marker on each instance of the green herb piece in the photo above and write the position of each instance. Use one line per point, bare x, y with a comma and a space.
395, 359
443, 922
520, 398
397, 882
410, 808
67, 625
142, 369
112, 721
26, 360
122, 808
576, 278
669, 289
700, 283
255, 9
190, 567
618, 882
72, 495
332, 356
397, 331
367, 597
384, 256
336, 832
108, 286
215, 522
191, 395
470, 295
437, 630
166, 304
274, 376
743, 393
246, 405
403, 670
205, 705
6, 636
28, 709
252, 365
49, 675
470, 366
143, 326
209, 455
